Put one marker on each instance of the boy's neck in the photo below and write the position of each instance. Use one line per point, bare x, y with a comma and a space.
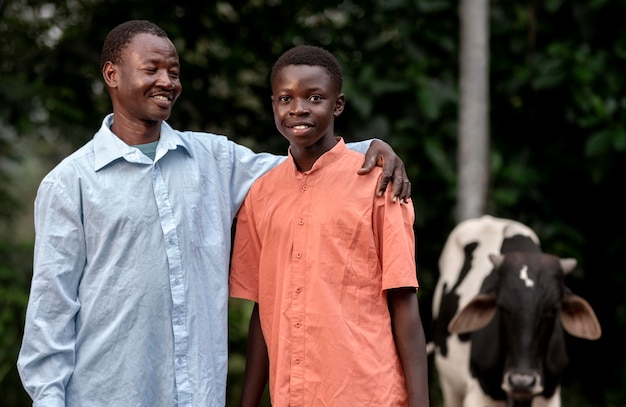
304, 158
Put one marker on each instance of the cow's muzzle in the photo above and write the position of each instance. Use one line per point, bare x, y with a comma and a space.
522, 385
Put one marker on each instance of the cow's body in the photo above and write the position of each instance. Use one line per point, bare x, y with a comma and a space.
500, 308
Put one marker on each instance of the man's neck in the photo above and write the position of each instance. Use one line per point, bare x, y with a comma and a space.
136, 132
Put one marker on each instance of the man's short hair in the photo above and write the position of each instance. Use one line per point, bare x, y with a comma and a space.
119, 38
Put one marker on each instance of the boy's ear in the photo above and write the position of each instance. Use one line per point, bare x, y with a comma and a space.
340, 103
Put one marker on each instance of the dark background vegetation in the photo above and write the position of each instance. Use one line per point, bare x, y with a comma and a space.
557, 114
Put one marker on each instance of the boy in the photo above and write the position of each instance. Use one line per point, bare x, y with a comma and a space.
336, 315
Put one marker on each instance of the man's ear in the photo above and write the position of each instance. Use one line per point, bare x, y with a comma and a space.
109, 73
340, 104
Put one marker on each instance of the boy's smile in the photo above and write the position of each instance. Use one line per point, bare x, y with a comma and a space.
305, 104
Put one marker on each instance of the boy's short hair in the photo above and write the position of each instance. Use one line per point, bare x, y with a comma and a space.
313, 56
119, 37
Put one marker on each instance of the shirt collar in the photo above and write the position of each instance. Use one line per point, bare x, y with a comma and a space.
108, 147
327, 158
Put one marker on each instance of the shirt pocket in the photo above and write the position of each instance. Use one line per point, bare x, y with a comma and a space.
347, 254
203, 218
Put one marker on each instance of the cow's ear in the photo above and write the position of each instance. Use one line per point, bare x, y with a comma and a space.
579, 319
475, 315
496, 259
567, 265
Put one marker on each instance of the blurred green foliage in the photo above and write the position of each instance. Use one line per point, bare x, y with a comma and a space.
557, 114
15, 272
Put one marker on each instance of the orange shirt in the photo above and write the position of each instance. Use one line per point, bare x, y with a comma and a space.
317, 250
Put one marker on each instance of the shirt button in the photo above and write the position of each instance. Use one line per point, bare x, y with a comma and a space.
298, 324
299, 290
171, 242
297, 360
298, 255
301, 222
304, 187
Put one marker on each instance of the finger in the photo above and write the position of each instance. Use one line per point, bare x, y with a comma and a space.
402, 186
384, 181
369, 164
406, 191
400, 179
398, 189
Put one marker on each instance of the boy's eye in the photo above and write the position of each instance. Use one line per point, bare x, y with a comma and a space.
315, 98
284, 98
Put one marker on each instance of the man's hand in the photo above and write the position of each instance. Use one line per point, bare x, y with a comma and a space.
382, 155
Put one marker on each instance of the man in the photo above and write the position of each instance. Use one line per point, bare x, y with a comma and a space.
128, 303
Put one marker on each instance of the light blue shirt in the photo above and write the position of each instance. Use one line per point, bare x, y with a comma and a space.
128, 303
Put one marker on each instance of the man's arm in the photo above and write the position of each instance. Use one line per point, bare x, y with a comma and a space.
381, 154
410, 341
46, 359
257, 363
247, 166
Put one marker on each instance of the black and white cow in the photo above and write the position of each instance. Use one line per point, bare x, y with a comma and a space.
500, 309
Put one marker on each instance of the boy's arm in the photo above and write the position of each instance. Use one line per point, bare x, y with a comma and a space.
257, 363
381, 154
410, 341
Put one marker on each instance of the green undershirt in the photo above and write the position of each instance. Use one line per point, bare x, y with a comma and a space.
148, 149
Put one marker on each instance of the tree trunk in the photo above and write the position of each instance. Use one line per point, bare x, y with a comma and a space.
473, 148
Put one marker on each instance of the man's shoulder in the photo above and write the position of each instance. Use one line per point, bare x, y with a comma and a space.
207, 143
80, 159
199, 138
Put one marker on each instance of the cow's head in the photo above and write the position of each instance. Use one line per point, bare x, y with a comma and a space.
521, 309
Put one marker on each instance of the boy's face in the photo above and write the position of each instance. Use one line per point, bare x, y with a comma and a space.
305, 104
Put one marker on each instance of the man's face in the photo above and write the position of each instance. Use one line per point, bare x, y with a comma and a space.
147, 81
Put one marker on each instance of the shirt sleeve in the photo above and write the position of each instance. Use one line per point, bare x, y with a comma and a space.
46, 358
244, 274
247, 166
360, 146
393, 228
